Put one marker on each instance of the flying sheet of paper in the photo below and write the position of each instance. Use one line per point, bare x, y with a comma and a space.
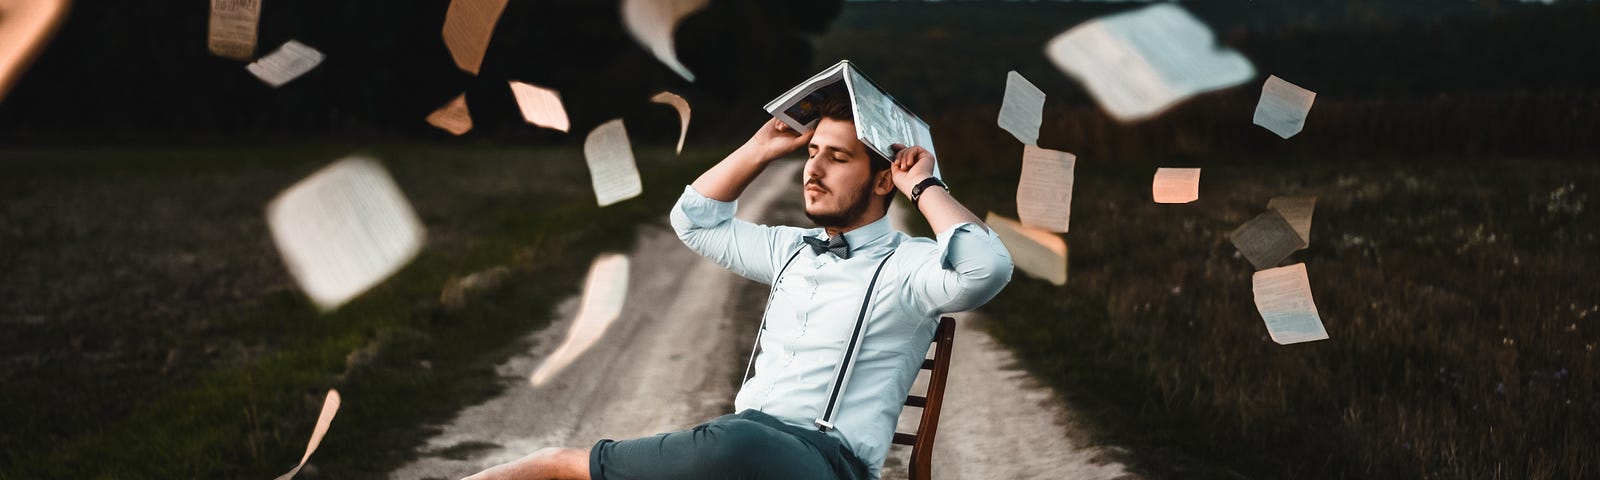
604, 294
232, 30
652, 23
540, 106
1265, 240
343, 230
611, 166
453, 117
1139, 63
288, 62
1283, 107
330, 407
1283, 296
1044, 192
1297, 211
1036, 252
1022, 109
25, 28
468, 26
1175, 185
682, 106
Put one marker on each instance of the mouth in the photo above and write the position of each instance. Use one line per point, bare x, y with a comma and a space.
815, 187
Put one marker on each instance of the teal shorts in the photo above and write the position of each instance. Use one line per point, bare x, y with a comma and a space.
749, 444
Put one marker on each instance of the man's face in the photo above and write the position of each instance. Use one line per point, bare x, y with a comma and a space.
837, 186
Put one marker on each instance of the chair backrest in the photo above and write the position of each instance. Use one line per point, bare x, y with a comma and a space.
921, 443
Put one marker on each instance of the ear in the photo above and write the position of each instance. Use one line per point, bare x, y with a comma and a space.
883, 182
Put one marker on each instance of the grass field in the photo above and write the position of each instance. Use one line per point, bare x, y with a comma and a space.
1459, 296
152, 332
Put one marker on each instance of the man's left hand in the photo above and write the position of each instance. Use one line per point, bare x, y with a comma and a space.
910, 166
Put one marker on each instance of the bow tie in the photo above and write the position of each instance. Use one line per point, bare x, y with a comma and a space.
833, 244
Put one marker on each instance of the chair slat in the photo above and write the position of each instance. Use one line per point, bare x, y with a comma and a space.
927, 364
904, 439
916, 401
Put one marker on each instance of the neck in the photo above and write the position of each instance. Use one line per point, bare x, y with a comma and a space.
859, 222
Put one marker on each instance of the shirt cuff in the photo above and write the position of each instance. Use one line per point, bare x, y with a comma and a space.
966, 232
699, 211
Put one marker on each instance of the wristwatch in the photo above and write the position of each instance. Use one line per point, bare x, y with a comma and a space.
916, 192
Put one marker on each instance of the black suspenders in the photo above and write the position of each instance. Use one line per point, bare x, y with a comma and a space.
841, 371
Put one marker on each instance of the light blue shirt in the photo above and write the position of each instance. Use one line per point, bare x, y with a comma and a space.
814, 308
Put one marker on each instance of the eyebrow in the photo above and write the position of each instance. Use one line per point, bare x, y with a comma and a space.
831, 147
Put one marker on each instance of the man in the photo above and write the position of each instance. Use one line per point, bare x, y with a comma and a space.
797, 418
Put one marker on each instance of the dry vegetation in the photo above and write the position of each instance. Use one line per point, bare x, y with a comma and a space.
1459, 296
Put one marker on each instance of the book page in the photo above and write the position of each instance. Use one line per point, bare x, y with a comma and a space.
798, 106
540, 106
344, 229
1283, 107
652, 23
468, 26
1022, 109
1038, 253
1297, 211
604, 294
330, 408
1138, 63
287, 63
880, 121
231, 33
453, 117
682, 106
1265, 240
1044, 191
611, 167
25, 28
1175, 185
1283, 296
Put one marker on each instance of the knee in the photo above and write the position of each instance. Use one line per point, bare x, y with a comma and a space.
739, 442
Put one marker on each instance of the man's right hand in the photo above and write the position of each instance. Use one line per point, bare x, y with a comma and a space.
775, 139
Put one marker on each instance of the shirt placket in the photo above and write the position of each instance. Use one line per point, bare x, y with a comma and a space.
802, 314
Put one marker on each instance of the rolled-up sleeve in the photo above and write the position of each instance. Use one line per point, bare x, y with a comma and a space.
968, 268
707, 226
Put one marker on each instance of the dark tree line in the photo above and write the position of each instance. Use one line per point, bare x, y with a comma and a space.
140, 71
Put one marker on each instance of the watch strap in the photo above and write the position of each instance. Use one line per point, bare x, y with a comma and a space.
916, 192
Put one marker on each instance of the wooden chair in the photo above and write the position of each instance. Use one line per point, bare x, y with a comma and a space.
921, 443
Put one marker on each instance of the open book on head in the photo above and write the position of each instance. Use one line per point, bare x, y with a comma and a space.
880, 120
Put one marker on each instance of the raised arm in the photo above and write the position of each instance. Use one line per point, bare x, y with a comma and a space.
727, 179
703, 216
912, 166
970, 265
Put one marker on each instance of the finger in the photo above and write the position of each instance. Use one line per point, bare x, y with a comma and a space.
780, 126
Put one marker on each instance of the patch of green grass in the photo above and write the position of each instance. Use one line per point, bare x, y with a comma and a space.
1457, 295
401, 360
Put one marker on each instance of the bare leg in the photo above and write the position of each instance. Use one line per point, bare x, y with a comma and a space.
544, 464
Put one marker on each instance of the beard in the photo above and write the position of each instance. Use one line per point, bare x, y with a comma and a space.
848, 216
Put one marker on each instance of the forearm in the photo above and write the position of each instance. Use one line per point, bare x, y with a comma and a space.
726, 180
943, 211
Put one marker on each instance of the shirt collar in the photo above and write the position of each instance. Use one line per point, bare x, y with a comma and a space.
869, 234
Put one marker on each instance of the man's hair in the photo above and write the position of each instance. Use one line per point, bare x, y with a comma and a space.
838, 108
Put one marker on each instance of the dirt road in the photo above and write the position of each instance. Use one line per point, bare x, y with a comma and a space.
665, 364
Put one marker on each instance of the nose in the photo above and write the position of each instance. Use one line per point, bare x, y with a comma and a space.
813, 169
